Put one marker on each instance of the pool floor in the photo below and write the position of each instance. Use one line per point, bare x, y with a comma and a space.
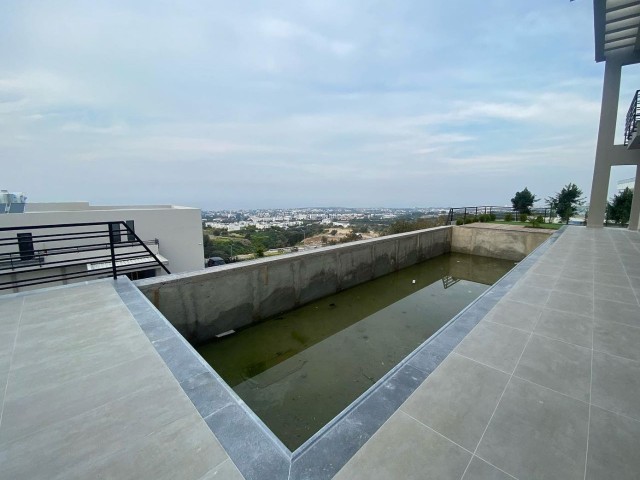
298, 370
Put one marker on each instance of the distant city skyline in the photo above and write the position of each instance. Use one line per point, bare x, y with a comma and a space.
220, 105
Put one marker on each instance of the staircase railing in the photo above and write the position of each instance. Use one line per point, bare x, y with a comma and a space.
40, 254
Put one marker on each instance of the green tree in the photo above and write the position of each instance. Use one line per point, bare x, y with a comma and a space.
566, 201
523, 201
619, 208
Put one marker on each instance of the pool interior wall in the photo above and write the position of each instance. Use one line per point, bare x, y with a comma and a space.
254, 449
300, 369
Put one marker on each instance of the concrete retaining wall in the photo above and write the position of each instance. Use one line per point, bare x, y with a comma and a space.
203, 304
505, 243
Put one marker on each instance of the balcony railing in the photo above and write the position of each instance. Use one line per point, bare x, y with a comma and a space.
500, 213
633, 115
41, 254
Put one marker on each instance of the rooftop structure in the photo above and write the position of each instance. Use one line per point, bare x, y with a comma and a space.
72, 239
12, 202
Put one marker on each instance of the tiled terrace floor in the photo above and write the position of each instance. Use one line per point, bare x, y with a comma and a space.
547, 385
83, 394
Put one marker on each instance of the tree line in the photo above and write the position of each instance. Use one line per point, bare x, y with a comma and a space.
566, 202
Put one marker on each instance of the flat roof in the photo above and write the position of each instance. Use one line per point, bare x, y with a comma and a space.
616, 29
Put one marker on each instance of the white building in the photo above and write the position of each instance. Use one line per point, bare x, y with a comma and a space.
617, 43
61, 247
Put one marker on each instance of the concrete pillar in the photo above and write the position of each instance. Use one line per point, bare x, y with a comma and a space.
604, 149
634, 218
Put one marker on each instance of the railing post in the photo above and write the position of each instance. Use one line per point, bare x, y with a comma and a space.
113, 252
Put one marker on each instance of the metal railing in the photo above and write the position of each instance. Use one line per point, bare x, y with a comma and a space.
633, 115
40, 254
500, 213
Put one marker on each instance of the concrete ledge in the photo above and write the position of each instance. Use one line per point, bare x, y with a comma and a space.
205, 303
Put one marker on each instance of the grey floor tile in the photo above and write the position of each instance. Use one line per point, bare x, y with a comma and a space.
569, 302
39, 374
608, 311
632, 270
528, 294
79, 441
545, 268
494, 345
537, 433
10, 310
25, 414
458, 399
149, 457
615, 293
403, 448
5, 362
481, 470
577, 287
7, 341
515, 314
538, 280
619, 280
616, 384
3, 383
65, 340
614, 443
617, 339
608, 266
584, 275
566, 326
225, 471
560, 366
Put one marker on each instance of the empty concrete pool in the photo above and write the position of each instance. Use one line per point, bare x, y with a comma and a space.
298, 370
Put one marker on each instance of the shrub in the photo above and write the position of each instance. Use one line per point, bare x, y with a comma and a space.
524, 217
540, 219
459, 221
492, 217
484, 218
508, 217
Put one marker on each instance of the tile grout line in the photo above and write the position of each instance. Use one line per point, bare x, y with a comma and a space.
501, 395
455, 443
13, 349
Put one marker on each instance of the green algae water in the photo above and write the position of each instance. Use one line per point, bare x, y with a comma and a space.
300, 369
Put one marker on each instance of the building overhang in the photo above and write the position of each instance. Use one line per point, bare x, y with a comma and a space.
617, 31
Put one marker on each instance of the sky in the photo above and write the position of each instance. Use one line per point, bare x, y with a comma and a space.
296, 103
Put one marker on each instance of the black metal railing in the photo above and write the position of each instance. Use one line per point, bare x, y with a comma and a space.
497, 212
631, 124
41, 254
